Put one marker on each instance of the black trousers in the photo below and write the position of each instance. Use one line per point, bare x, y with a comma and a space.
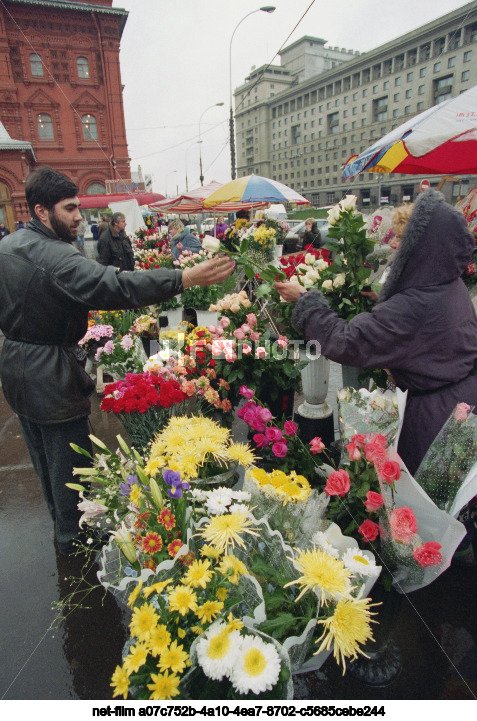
53, 460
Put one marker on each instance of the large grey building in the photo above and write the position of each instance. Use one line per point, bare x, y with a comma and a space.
298, 122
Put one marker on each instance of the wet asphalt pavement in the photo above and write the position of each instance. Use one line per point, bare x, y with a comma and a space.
435, 628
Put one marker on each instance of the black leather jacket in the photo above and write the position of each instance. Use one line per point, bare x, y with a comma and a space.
115, 250
46, 290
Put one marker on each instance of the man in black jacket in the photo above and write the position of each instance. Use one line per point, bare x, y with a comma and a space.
114, 246
46, 290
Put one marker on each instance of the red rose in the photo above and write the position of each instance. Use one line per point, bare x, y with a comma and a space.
390, 471
403, 524
338, 483
369, 530
428, 554
373, 501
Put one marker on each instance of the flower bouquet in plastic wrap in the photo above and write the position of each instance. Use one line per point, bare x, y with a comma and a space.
121, 356
95, 337
362, 412
448, 472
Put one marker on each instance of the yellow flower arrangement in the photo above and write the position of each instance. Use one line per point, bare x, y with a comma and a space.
289, 488
226, 530
265, 236
321, 572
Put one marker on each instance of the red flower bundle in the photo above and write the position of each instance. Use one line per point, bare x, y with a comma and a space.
139, 392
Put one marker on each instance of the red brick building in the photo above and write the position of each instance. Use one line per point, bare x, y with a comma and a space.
60, 92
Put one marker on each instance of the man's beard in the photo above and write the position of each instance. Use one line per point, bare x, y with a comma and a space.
62, 230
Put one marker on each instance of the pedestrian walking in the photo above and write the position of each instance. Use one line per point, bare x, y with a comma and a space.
46, 290
114, 246
3, 230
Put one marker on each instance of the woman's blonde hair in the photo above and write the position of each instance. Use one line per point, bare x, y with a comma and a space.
400, 218
310, 220
177, 224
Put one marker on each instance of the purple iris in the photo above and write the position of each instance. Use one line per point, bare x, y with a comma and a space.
173, 479
126, 487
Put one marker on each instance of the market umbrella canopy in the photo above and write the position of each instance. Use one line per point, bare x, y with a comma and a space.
190, 202
103, 201
253, 189
441, 140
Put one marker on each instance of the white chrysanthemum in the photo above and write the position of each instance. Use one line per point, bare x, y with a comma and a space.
359, 564
218, 501
241, 495
319, 539
217, 650
238, 508
198, 495
256, 667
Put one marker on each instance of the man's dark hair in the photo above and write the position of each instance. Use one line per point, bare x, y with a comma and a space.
47, 187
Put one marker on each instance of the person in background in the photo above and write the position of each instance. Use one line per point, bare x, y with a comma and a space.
114, 246
81, 230
3, 230
95, 231
103, 225
312, 235
20, 225
182, 239
47, 289
221, 226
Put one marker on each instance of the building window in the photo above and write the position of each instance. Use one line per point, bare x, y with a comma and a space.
380, 109
421, 89
365, 92
36, 65
45, 126
437, 67
333, 123
442, 89
397, 81
407, 110
386, 85
90, 130
410, 77
467, 56
422, 72
296, 134
83, 67
465, 75
451, 62
375, 89
396, 97
420, 107
408, 93
96, 189
425, 52
395, 113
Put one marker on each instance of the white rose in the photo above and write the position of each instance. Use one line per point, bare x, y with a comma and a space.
379, 401
343, 395
334, 214
339, 280
348, 202
309, 259
211, 244
302, 268
312, 276
327, 285
321, 264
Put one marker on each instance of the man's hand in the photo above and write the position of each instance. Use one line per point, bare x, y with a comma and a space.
289, 290
209, 272
371, 294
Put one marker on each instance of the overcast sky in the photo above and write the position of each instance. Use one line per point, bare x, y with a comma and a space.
175, 64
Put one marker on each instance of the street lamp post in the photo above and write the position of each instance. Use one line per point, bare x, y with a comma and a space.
170, 173
215, 105
266, 9
186, 152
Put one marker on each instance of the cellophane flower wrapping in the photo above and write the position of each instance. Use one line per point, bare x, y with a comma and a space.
123, 359
448, 471
362, 411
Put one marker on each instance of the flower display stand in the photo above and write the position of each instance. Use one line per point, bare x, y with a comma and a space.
170, 318
314, 415
207, 317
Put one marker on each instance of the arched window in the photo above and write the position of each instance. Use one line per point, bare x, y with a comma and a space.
36, 65
90, 130
45, 126
96, 189
83, 67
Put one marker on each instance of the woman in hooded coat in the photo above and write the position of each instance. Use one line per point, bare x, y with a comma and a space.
423, 327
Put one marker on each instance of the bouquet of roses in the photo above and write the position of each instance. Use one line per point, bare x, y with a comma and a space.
362, 411
152, 259
149, 239
95, 337
236, 307
145, 326
121, 356
280, 227
143, 402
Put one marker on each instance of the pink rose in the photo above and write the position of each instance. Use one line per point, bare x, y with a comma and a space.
461, 412
390, 471
379, 439
255, 337
353, 452
280, 449
224, 322
375, 453
212, 329
274, 434
290, 428
316, 445
282, 341
373, 501
265, 414
250, 406
239, 334
359, 439
428, 554
247, 393
246, 348
369, 530
219, 331
260, 440
260, 352
338, 483
403, 524
245, 328
251, 320
230, 357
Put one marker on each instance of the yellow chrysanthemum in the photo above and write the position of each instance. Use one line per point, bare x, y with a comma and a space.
181, 633
197, 630
152, 467
163, 686
143, 622
210, 552
320, 571
198, 574
120, 682
173, 658
135, 593
241, 452
232, 567
288, 488
182, 599
227, 529
208, 611
346, 629
233, 624
136, 658
222, 594
135, 494
159, 639
156, 588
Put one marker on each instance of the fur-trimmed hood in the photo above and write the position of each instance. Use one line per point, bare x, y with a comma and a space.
436, 247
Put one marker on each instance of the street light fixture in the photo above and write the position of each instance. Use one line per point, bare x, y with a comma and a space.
170, 173
265, 9
215, 105
192, 145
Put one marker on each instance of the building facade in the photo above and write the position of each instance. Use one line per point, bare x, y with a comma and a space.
61, 92
300, 121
